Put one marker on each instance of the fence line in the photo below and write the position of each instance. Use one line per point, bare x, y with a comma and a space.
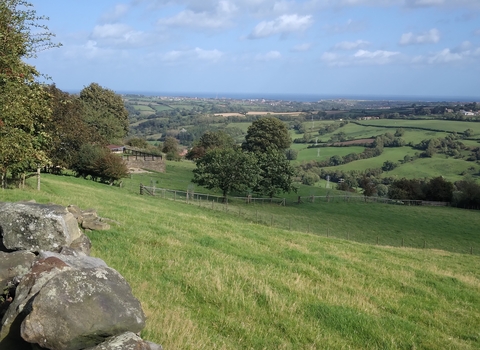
191, 195
245, 209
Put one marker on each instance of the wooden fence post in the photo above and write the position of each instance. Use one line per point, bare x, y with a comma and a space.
141, 189
38, 179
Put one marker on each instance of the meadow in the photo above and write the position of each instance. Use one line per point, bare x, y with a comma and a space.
210, 279
443, 125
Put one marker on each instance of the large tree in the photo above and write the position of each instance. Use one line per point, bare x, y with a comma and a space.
24, 104
105, 111
67, 128
267, 133
229, 170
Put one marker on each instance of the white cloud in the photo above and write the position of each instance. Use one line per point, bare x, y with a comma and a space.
464, 53
269, 56
282, 25
120, 35
351, 45
445, 56
361, 57
196, 54
377, 57
302, 47
217, 17
430, 37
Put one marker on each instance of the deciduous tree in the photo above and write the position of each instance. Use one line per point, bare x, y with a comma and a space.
267, 133
227, 170
105, 111
24, 104
67, 128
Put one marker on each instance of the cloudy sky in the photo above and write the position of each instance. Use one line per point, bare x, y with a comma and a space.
320, 47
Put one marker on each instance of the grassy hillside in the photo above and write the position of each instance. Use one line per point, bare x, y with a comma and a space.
215, 280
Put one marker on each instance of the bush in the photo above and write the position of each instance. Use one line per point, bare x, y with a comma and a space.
99, 163
310, 178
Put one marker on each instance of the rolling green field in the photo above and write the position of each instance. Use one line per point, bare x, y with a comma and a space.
210, 279
447, 125
323, 153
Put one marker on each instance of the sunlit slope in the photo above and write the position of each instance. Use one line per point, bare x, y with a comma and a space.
213, 280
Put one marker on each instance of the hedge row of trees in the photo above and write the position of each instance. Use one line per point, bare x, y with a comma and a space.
42, 126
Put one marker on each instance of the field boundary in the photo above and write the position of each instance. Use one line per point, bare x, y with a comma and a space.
250, 211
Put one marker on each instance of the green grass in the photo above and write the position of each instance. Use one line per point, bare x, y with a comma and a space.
393, 154
323, 153
214, 280
450, 168
447, 125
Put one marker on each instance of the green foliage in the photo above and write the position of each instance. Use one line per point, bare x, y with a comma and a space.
99, 163
105, 112
88, 157
267, 133
406, 189
229, 170
310, 178
291, 154
138, 142
24, 104
67, 128
368, 185
388, 166
468, 133
467, 194
276, 173
170, 145
208, 141
438, 189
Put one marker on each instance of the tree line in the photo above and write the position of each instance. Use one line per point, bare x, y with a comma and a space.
42, 126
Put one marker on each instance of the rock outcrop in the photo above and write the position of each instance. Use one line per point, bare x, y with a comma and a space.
53, 295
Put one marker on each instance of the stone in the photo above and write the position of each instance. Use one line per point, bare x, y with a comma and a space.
95, 225
82, 245
42, 271
35, 227
15, 264
77, 309
125, 341
76, 212
76, 261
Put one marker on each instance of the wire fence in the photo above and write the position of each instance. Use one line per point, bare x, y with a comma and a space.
250, 209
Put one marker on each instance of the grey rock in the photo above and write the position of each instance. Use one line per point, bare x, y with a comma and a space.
35, 227
125, 341
95, 225
77, 309
82, 244
76, 261
41, 272
15, 264
76, 212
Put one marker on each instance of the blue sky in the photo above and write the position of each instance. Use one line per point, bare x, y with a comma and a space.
321, 47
